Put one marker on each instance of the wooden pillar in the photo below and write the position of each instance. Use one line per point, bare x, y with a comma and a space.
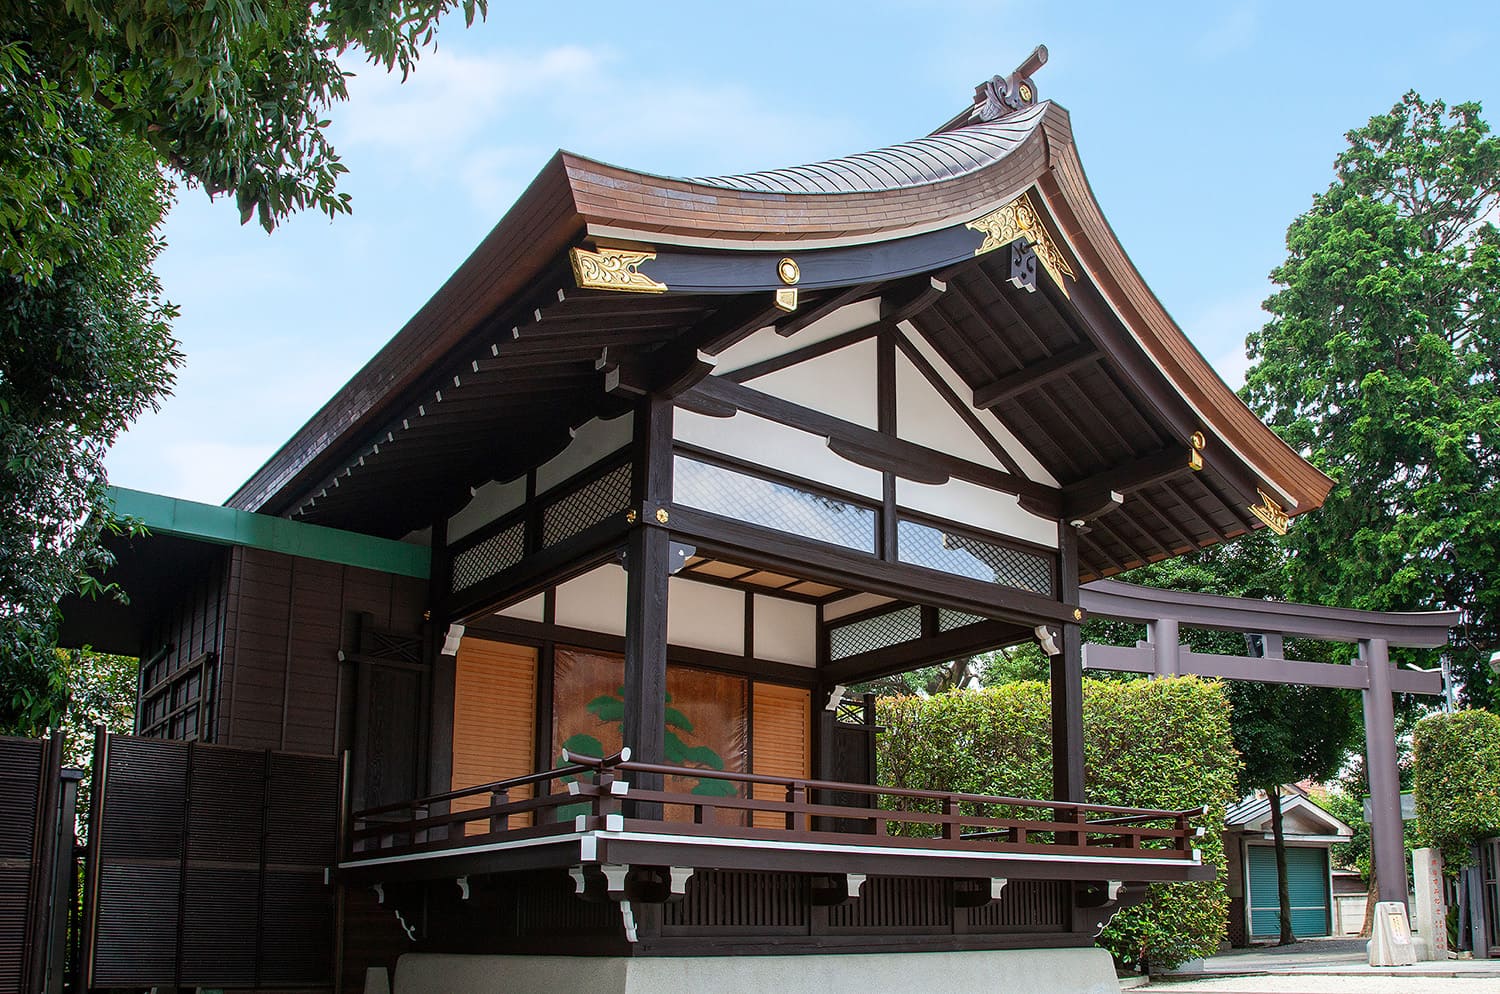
648, 568
1386, 843
1067, 682
1163, 634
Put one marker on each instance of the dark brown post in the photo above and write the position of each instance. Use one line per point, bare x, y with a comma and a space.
1386, 841
648, 565
1067, 683
498, 822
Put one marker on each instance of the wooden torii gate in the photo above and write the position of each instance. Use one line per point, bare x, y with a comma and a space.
1166, 611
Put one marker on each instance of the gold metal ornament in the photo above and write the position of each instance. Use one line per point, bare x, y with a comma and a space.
661, 515
1195, 454
787, 299
1019, 219
631, 517
789, 272
613, 269
1078, 614
1270, 512
1025, 92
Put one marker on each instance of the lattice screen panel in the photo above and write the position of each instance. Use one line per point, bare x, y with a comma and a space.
874, 633
493, 555
923, 545
949, 620
775, 505
588, 505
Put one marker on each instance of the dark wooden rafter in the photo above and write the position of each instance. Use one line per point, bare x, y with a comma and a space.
1035, 376
867, 441
800, 355
954, 402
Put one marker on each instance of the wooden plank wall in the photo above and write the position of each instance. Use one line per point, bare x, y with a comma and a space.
494, 719
781, 740
193, 627
285, 620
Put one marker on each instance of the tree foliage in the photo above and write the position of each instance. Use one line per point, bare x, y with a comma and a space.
1457, 781
102, 106
1379, 363
1159, 743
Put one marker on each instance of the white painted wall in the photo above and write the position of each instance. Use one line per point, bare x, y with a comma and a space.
766, 344
973, 505
704, 616
846, 606
593, 441
924, 417
594, 601
489, 502
1029, 463
531, 609
766, 443
840, 383
786, 631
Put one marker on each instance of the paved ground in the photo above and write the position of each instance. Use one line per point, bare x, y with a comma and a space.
1327, 966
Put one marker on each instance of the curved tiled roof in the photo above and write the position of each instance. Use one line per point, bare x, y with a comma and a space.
919, 162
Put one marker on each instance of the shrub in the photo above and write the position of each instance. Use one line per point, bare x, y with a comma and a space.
1158, 743
1457, 781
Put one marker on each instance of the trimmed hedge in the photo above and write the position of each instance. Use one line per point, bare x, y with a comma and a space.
1457, 781
1147, 743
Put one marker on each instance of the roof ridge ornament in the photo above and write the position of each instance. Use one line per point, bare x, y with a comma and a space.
1001, 96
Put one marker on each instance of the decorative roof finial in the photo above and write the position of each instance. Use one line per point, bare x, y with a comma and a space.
1004, 95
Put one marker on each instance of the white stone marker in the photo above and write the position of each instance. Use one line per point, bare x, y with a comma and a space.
1390, 938
1431, 911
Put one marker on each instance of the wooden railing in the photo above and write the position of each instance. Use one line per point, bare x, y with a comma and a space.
614, 793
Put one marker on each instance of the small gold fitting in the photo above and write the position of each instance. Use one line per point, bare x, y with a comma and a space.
661, 515
631, 517
1078, 614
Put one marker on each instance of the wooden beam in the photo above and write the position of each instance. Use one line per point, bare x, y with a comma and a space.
969, 640
903, 309
1088, 498
803, 317
719, 391
1067, 682
1035, 375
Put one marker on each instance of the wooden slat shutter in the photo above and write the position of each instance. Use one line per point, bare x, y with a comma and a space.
782, 731
494, 719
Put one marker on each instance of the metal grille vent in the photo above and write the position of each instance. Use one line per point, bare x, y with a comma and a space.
874, 633
588, 505
495, 554
949, 620
923, 545
773, 505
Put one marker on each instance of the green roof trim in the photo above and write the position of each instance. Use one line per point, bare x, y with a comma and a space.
229, 526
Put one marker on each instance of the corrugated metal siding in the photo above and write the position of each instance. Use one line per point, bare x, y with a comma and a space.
781, 746
1307, 879
20, 780
494, 719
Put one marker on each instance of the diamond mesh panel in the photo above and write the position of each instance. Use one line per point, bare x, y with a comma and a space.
923, 545
949, 620
773, 505
483, 560
875, 633
588, 505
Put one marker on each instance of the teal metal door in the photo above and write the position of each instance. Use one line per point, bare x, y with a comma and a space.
1307, 878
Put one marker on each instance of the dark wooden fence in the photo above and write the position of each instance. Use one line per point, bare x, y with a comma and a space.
208, 866
36, 864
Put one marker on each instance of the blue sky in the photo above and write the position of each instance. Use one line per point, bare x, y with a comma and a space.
1205, 128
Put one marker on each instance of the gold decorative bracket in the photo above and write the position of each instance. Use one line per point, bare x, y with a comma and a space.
1019, 219
613, 269
1270, 512
790, 274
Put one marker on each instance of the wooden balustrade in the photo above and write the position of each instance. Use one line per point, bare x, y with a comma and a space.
596, 789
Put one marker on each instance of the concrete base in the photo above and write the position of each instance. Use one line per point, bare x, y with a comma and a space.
1035, 971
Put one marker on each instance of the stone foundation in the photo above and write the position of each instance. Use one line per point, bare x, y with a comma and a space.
1034, 971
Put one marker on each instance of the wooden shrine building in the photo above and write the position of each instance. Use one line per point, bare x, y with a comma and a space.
577, 568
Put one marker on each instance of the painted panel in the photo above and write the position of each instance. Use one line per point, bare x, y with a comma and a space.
702, 616
594, 601
765, 443
766, 344
494, 720
1307, 881
925, 417
1022, 455
840, 383
531, 609
591, 442
489, 502
786, 631
851, 605
968, 504
782, 745
707, 721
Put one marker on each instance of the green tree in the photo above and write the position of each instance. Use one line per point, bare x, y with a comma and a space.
1379, 363
103, 105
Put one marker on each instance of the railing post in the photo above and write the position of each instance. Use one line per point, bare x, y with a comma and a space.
499, 822
951, 826
796, 821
